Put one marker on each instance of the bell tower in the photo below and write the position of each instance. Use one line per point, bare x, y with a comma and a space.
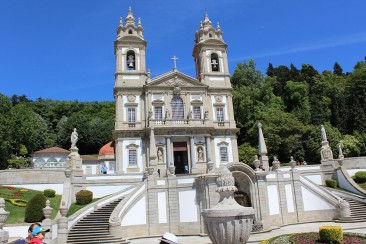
129, 50
210, 55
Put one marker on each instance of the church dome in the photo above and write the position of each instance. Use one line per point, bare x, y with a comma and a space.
107, 149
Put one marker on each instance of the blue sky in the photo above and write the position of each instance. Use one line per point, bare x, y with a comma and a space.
63, 50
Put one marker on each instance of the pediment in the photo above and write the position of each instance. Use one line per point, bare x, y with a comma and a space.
175, 78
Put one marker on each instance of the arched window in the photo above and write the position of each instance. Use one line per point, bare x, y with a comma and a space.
130, 60
215, 62
177, 108
130, 32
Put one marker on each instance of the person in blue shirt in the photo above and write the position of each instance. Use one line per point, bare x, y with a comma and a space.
104, 168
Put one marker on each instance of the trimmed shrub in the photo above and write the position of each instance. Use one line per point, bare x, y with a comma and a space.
49, 193
331, 234
33, 210
331, 183
84, 197
360, 177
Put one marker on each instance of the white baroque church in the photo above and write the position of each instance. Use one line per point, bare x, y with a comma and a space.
173, 119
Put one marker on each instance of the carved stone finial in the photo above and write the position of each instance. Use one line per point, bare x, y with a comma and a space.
259, 125
139, 22
120, 21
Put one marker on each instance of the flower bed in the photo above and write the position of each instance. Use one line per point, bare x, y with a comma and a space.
313, 238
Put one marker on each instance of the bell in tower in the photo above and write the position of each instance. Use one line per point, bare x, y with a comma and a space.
210, 55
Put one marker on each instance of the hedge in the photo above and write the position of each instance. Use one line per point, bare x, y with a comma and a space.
33, 210
360, 177
331, 183
331, 234
84, 197
49, 193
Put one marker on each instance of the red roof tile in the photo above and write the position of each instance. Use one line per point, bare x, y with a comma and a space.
107, 149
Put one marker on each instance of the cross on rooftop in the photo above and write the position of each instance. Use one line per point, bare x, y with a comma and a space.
175, 61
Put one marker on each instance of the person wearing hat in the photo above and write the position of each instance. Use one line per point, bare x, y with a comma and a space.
168, 238
30, 230
38, 235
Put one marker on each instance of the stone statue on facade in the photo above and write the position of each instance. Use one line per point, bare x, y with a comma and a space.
74, 138
150, 113
200, 154
205, 115
160, 155
167, 114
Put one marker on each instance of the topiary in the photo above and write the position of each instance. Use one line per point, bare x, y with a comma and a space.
84, 197
49, 193
33, 210
360, 177
331, 234
331, 183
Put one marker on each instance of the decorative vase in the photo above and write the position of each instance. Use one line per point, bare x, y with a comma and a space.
228, 222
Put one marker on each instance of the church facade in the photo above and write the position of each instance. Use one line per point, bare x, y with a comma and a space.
173, 123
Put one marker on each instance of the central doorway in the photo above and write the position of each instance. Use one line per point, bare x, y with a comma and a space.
180, 157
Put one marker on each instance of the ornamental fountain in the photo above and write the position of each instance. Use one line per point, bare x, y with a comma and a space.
228, 222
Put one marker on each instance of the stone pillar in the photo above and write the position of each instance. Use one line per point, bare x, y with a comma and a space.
4, 235
193, 154
169, 152
119, 111
153, 155
208, 148
47, 222
262, 148
62, 225
210, 164
119, 156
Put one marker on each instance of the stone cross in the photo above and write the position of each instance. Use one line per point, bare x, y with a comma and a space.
175, 61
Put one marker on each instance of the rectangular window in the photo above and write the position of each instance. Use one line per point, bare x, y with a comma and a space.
220, 116
223, 153
197, 112
131, 116
132, 157
158, 113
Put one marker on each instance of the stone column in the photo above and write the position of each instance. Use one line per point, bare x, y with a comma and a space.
119, 156
47, 222
209, 163
4, 235
193, 154
62, 225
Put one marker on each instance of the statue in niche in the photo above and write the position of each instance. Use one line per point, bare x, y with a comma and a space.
167, 114
150, 113
160, 155
200, 154
74, 138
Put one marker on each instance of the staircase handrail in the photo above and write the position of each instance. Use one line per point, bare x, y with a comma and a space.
331, 197
75, 217
349, 179
122, 207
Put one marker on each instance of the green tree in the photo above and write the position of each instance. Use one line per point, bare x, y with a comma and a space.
247, 153
337, 69
297, 100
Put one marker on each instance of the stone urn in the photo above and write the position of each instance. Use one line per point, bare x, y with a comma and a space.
47, 211
256, 163
228, 222
63, 209
210, 166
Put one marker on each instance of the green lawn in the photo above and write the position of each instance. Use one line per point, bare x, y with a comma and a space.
17, 213
74, 207
363, 185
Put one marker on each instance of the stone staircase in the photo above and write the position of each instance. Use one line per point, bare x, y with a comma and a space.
358, 213
94, 227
